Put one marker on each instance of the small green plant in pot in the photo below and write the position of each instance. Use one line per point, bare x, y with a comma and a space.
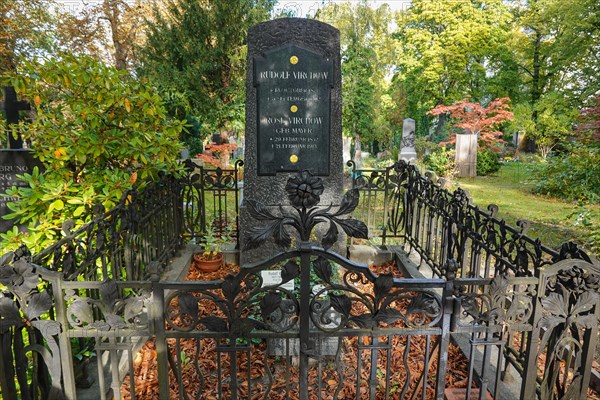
210, 256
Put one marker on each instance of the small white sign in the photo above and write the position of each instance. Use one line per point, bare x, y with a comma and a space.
317, 288
271, 278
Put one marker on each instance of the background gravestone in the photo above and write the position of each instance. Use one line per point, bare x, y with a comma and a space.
11, 107
466, 155
408, 152
16, 160
347, 146
293, 114
13, 163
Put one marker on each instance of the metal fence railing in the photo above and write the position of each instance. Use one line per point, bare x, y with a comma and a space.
399, 202
523, 307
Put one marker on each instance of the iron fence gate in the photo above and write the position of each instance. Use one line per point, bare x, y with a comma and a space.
336, 333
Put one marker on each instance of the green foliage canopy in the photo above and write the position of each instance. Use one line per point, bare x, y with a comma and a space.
25, 28
445, 48
367, 59
195, 55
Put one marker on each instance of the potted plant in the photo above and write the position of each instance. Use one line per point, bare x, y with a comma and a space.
210, 256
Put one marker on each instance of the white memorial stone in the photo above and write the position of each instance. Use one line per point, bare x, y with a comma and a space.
408, 152
346, 145
466, 155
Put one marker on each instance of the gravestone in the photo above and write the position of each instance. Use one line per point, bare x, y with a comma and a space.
408, 152
293, 115
292, 86
466, 155
347, 146
13, 163
11, 107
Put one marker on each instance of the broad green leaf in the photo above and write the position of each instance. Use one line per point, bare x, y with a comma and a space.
58, 204
78, 211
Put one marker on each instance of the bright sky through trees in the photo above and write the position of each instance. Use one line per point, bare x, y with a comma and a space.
298, 8
303, 8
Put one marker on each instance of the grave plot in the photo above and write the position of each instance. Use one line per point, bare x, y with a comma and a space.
264, 370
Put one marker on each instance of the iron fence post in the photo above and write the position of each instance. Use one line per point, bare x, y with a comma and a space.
445, 324
158, 307
528, 385
590, 340
305, 249
202, 199
7, 384
64, 343
386, 206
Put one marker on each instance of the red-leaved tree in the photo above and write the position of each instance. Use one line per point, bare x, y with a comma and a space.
588, 128
478, 120
217, 154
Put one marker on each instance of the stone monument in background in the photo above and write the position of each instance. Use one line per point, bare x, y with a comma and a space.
408, 152
293, 115
466, 155
347, 146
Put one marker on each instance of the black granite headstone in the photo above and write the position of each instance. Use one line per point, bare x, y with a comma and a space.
11, 106
293, 86
13, 163
293, 115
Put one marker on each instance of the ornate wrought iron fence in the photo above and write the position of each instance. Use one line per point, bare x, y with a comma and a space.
272, 340
148, 226
145, 226
131, 242
359, 335
212, 198
440, 225
374, 187
256, 341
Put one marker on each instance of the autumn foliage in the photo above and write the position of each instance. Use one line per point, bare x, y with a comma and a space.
217, 154
589, 124
477, 120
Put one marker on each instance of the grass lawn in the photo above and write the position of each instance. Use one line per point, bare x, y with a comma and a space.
553, 221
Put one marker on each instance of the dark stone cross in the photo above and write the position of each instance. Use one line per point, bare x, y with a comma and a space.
11, 107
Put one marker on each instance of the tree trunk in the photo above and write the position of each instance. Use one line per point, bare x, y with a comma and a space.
112, 12
536, 90
442, 118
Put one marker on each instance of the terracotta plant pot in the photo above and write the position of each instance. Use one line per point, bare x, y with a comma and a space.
205, 265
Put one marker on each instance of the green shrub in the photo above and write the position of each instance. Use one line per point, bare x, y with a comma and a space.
488, 162
424, 147
441, 161
587, 217
529, 158
573, 176
98, 132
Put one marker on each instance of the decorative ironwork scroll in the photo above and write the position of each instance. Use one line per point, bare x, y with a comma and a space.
23, 311
499, 303
568, 327
304, 191
112, 311
211, 198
